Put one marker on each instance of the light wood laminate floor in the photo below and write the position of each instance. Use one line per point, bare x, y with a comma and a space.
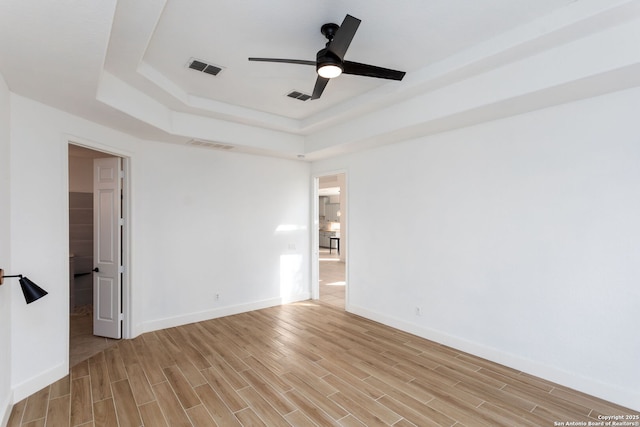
82, 343
332, 278
303, 364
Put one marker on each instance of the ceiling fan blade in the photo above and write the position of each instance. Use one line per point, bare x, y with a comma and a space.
371, 71
321, 83
287, 61
344, 35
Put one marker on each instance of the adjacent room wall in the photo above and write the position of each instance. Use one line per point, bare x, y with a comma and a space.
518, 240
5, 256
81, 174
203, 223
81, 242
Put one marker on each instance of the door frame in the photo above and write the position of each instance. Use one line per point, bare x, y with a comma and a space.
127, 299
315, 235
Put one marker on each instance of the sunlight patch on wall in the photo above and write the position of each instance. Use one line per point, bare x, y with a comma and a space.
291, 277
285, 228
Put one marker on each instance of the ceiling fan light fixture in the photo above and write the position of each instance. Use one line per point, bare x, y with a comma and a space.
328, 65
329, 71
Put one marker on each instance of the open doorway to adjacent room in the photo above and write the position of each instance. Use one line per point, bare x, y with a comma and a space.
332, 221
83, 338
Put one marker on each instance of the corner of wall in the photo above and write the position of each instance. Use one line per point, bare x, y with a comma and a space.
5, 410
39, 381
6, 394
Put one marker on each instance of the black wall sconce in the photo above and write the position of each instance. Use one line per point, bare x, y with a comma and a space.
30, 290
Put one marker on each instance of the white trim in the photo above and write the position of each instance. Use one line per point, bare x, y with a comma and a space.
295, 298
96, 146
64, 248
126, 156
315, 242
5, 409
127, 251
627, 398
39, 381
344, 243
170, 322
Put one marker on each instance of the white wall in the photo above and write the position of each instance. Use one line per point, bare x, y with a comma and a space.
221, 224
202, 222
5, 257
518, 239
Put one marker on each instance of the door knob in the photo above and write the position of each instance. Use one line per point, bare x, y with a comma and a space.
97, 270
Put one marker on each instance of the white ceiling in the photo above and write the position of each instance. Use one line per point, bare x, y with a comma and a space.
406, 35
124, 63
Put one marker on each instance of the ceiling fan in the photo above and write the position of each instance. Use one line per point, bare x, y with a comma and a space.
330, 61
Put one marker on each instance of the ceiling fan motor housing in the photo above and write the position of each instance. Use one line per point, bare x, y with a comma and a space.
325, 57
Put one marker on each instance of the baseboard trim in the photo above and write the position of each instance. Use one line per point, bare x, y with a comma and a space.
609, 392
5, 410
38, 382
170, 322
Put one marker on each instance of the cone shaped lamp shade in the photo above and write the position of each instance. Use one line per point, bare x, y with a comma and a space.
31, 291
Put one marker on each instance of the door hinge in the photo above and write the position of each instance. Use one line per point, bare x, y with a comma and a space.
121, 269
121, 174
121, 316
121, 222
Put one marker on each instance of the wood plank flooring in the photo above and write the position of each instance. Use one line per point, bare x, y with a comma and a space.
82, 343
303, 364
332, 278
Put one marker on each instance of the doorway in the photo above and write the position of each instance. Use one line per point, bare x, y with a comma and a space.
82, 341
331, 239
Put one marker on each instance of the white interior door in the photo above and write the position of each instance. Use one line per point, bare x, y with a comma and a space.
107, 279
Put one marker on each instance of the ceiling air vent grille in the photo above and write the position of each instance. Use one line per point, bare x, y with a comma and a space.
299, 95
208, 144
198, 65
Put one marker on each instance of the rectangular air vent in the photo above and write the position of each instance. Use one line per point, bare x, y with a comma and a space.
209, 144
299, 95
198, 65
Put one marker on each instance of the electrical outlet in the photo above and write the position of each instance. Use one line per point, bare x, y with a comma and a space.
418, 311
